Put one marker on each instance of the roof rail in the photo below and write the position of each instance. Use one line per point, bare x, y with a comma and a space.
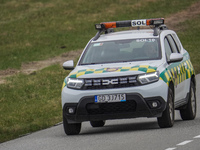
110, 30
97, 35
163, 27
157, 29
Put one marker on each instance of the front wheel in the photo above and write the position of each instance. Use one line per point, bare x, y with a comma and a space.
71, 129
189, 112
167, 118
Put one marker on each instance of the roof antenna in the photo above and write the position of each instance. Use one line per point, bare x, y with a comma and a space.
138, 15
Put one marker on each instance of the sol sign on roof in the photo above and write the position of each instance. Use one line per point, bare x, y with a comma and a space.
138, 22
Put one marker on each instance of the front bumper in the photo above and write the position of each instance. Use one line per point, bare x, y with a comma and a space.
138, 103
135, 106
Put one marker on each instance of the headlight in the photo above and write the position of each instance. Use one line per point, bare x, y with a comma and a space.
148, 78
75, 83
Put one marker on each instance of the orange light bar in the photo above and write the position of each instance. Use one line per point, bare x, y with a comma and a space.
148, 22
156, 21
109, 24
130, 23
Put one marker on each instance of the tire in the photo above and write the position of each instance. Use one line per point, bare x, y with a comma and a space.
100, 123
189, 112
71, 129
167, 118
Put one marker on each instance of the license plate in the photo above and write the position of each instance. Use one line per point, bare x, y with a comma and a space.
110, 98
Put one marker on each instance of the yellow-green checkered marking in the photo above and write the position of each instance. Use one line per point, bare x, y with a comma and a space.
64, 84
143, 68
177, 75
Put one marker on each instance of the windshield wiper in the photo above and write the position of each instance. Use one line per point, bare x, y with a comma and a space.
89, 63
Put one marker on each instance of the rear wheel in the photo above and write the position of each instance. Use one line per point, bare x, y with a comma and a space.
100, 123
167, 118
189, 112
71, 129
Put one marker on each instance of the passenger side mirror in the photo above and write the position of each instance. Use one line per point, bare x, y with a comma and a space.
68, 65
175, 57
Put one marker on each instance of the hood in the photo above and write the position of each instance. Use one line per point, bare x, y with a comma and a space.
114, 69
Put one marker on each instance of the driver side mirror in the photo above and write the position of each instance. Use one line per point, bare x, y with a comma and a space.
68, 65
175, 57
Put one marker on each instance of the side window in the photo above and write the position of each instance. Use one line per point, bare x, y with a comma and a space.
168, 49
177, 42
173, 44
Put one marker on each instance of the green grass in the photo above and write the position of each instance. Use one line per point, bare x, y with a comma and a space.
30, 103
190, 40
34, 30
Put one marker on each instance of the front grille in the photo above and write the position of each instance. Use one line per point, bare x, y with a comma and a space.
110, 108
108, 83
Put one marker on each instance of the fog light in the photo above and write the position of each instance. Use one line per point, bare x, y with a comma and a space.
154, 104
71, 110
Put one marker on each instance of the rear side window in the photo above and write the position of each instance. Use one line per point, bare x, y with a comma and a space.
168, 49
177, 42
173, 44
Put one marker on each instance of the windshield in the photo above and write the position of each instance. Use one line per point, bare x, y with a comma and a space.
121, 51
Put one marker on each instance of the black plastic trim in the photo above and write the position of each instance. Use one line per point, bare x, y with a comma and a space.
142, 109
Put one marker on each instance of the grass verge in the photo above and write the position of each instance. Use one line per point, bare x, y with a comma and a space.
30, 103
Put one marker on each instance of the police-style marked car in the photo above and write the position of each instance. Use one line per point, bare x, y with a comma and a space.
128, 74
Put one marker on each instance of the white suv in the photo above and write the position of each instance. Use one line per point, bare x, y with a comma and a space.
128, 74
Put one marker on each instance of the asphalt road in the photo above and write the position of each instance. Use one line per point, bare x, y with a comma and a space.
129, 134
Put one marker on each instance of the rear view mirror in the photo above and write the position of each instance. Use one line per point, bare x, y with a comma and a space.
68, 65
175, 57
